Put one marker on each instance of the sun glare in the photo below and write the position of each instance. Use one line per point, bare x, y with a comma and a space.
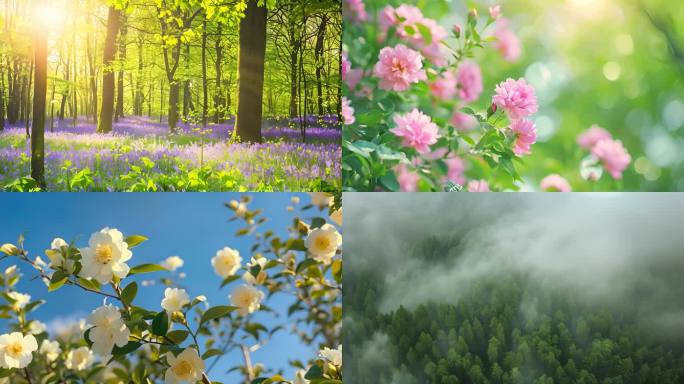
51, 16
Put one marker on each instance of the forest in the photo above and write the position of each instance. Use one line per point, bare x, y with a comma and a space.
440, 309
165, 95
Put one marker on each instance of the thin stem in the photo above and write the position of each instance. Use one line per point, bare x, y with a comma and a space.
248, 363
28, 377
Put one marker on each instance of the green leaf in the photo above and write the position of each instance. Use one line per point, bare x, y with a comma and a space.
216, 312
90, 283
317, 222
160, 324
305, 264
128, 348
210, 353
295, 245
134, 240
86, 337
425, 33
337, 270
178, 336
129, 293
389, 181
57, 281
146, 268
315, 372
229, 280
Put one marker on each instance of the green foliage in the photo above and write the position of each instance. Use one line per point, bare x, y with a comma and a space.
507, 329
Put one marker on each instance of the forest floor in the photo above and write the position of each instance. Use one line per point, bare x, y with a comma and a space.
141, 155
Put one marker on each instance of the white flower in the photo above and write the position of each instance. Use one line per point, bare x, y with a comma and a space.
247, 298
16, 350
261, 277
57, 259
36, 327
241, 210
333, 356
50, 349
337, 217
172, 263
186, 367
174, 299
226, 262
20, 300
106, 256
107, 329
321, 199
79, 359
9, 272
323, 242
295, 199
299, 377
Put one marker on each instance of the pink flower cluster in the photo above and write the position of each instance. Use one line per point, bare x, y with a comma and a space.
555, 183
518, 100
467, 83
611, 153
406, 19
478, 186
507, 42
417, 130
350, 76
354, 10
516, 97
347, 112
399, 67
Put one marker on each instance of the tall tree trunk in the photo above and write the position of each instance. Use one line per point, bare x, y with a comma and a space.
188, 106
320, 39
122, 58
39, 95
107, 111
295, 45
219, 100
251, 72
27, 106
174, 96
2, 98
205, 98
138, 109
65, 93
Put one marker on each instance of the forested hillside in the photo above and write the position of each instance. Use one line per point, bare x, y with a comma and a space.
508, 327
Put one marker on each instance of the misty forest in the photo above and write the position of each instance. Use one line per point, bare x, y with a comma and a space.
169, 95
515, 290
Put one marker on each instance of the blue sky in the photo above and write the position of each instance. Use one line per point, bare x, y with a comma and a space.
190, 225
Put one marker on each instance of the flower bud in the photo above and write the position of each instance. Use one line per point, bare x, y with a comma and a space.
233, 204
457, 30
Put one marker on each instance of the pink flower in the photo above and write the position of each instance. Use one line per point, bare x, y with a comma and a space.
469, 81
406, 15
417, 130
346, 65
591, 136
525, 135
444, 87
455, 169
354, 10
350, 76
478, 186
408, 181
399, 67
555, 183
613, 155
495, 12
457, 30
516, 98
507, 42
347, 112
463, 121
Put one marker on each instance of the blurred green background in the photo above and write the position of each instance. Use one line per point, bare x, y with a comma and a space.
617, 64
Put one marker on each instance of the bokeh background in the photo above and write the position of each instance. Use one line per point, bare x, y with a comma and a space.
615, 63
